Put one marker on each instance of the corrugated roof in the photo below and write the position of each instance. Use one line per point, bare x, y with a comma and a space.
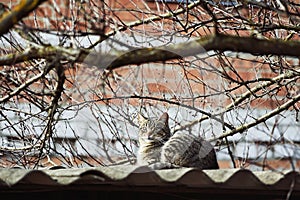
143, 178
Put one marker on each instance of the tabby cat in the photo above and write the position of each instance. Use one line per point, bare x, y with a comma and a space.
159, 149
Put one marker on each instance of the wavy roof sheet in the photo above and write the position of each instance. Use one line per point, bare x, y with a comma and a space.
131, 179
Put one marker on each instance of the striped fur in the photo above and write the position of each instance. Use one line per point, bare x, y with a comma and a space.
181, 149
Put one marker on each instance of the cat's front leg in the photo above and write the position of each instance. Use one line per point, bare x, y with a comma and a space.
162, 165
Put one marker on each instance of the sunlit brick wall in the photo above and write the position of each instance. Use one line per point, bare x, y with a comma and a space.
192, 85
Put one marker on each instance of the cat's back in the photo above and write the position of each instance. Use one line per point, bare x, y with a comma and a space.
188, 150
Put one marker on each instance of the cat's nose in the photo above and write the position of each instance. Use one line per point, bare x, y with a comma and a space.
150, 137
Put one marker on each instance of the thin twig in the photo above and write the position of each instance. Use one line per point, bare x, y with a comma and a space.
244, 96
261, 119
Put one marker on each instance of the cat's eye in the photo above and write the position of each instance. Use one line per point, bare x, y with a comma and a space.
143, 128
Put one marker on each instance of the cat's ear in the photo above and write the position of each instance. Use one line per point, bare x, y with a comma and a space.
141, 119
164, 118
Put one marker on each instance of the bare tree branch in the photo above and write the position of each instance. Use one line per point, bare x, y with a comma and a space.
10, 18
261, 119
211, 43
152, 19
288, 75
26, 84
158, 54
56, 105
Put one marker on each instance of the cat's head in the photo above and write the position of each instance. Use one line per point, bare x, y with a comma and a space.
154, 130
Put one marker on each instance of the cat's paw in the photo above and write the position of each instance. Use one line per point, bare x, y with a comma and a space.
160, 165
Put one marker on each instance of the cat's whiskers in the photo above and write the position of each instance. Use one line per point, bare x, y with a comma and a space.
149, 141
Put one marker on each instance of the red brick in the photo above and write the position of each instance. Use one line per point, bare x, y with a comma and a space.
268, 74
158, 88
193, 74
160, 72
266, 103
242, 76
124, 71
45, 10
198, 88
268, 164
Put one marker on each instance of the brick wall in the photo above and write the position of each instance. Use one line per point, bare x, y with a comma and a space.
196, 83
69, 16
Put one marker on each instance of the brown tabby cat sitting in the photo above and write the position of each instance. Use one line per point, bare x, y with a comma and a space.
159, 149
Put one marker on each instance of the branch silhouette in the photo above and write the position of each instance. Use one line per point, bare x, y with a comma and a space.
10, 18
139, 56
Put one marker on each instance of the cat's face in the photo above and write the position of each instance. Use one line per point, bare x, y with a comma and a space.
154, 130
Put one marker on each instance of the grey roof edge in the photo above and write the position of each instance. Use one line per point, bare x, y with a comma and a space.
144, 176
